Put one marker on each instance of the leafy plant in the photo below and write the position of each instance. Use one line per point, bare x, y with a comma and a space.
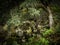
48, 32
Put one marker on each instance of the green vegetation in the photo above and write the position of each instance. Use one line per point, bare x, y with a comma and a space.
30, 22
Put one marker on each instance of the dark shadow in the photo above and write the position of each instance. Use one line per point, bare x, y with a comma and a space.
5, 6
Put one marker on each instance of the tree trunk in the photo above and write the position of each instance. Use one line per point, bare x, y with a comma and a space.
50, 17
